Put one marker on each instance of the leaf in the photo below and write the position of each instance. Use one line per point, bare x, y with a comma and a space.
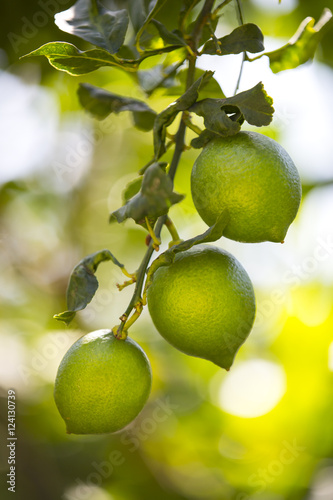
89, 20
155, 198
253, 105
208, 88
83, 283
66, 316
206, 32
186, 8
156, 6
169, 37
100, 103
302, 46
66, 57
247, 37
137, 13
167, 116
132, 189
213, 233
156, 77
203, 139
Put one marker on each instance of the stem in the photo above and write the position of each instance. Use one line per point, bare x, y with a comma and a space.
179, 148
240, 73
241, 21
219, 7
156, 240
240, 12
202, 18
190, 125
172, 230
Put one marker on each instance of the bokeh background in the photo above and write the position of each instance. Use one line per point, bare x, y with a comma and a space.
263, 431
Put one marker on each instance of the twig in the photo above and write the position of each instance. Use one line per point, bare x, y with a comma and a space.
240, 21
136, 300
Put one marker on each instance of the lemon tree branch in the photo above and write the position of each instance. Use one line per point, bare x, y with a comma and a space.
179, 140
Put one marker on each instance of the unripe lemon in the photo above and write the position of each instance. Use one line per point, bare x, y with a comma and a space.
102, 383
254, 178
203, 304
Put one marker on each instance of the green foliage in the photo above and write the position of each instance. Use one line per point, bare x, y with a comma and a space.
132, 189
66, 57
156, 32
167, 116
208, 87
247, 37
89, 20
160, 76
44, 227
302, 46
156, 7
253, 105
213, 233
155, 198
124, 36
83, 283
101, 103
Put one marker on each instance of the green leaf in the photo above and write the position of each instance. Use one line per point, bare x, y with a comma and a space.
156, 6
100, 103
66, 57
208, 88
213, 233
247, 37
167, 116
224, 117
155, 198
66, 316
186, 8
254, 104
157, 77
132, 189
302, 46
137, 13
169, 37
89, 20
206, 32
83, 283
203, 139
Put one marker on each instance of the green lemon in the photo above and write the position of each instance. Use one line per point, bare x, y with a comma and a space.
102, 383
203, 304
255, 179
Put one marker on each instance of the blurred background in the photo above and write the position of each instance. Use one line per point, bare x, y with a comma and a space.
263, 431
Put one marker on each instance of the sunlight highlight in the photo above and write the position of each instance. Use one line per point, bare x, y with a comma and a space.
252, 388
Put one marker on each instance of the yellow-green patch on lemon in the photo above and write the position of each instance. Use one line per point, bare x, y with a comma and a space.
203, 304
255, 179
102, 383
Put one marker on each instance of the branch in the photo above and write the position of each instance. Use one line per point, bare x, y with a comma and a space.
240, 21
201, 21
179, 148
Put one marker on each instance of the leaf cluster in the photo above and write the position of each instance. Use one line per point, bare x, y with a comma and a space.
123, 35
154, 199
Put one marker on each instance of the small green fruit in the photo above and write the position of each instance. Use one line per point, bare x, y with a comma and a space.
254, 178
203, 304
102, 383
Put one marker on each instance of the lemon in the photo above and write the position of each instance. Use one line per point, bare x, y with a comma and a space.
255, 179
102, 383
203, 304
